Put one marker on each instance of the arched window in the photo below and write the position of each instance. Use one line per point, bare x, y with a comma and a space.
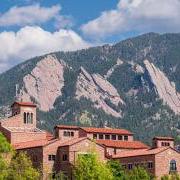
28, 118
31, 118
173, 165
25, 119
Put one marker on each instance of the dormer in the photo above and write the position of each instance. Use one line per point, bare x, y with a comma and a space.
27, 111
163, 142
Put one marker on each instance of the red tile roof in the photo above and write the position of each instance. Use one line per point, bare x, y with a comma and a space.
30, 144
107, 130
24, 104
123, 144
163, 138
73, 141
66, 127
141, 152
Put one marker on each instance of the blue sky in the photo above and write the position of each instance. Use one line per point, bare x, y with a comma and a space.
31, 28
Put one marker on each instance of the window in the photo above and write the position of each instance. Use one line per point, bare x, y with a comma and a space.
113, 137
31, 118
94, 136
107, 136
72, 134
65, 157
150, 165
65, 133
130, 166
28, 118
126, 138
173, 165
101, 136
119, 137
25, 121
165, 144
51, 157
68, 133
136, 164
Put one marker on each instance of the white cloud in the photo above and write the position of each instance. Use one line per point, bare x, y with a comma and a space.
34, 41
29, 15
136, 15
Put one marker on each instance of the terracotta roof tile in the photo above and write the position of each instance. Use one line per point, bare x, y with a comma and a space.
123, 144
163, 138
141, 152
107, 130
30, 144
24, 104
66, 127
73, 141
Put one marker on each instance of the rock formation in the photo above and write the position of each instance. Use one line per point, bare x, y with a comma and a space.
110, 71
164, 88
98, 90
44, 83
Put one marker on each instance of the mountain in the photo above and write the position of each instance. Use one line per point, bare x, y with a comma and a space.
134, 84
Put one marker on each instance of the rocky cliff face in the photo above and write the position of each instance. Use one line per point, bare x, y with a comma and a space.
164, 88
44, 83
98, 90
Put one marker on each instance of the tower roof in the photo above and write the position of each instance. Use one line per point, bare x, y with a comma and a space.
29, 104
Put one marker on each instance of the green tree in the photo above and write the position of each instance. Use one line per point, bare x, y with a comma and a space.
21, 168
117, 170
138, 173
88, 167
5, 147
5, 151
171, 177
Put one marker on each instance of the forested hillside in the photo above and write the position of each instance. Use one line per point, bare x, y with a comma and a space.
134, 84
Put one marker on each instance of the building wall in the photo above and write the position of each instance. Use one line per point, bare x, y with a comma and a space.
59, 133
50, 149
18, 137
83, 147
114, 150
83, 133
140, 160
36, 156
163, 162
158, 143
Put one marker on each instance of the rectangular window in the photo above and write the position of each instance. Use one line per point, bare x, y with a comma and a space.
119, 137
51, 157
67, 133
150, 165
130, 166
107, 136
72, 134
65, 157
126, 138
101, 136
113, 137
94, 136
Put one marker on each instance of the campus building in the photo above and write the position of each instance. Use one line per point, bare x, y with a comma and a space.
58, 152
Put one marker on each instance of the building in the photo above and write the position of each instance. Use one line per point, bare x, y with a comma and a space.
161, 159
58, 152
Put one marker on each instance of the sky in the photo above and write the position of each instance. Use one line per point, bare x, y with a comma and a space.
30, 28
